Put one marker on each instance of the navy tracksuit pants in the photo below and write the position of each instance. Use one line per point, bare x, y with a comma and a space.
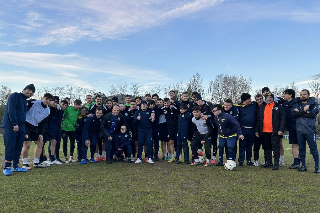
311, 139
182, 139
156, 138
13, 142
110, 150
231, 144
245, 145
93, 142
57, 137
145, 137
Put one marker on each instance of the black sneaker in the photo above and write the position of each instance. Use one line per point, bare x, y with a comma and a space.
156, 158
186, 162
240, 163
316, 170
267, 165
61, 161
220, 163
275, 167
249, 163
294, 166
302, 169
129, 160
109, 161
177, 161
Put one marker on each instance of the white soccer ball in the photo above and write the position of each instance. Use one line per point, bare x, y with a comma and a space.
201, 159
230, 165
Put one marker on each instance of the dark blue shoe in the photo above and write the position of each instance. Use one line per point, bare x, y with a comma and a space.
93, 161
18, 169
6, 172
84, 161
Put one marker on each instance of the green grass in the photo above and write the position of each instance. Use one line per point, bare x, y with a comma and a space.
162, 187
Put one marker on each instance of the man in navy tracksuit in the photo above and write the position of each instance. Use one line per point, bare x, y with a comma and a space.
81, 121
230, 109
155, 128
184, 121
247, 120
306, 129
54, 128
110, 126
14, 131
90, 135
133, 129
144, 118
123, 143
288, 105
229, 129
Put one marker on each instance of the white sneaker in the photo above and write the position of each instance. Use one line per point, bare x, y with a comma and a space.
138, 161
150, 160
56, 162
281, 163
66, 160
71, 160
256, 163
47, 162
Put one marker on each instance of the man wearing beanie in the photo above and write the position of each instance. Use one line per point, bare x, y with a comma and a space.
247, 120
14, 130
270, 126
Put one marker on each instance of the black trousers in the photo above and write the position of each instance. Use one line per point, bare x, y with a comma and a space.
72, 137
271, 143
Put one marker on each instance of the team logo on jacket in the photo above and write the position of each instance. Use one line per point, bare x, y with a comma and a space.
276, 108
147, 113
126, 136
182, 116
223, 120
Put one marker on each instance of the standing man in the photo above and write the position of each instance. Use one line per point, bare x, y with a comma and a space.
127, 100
14, 129
155, 129
36, 123
90, 135
143, 118
270, 126
257, 140
54, 127
247, 120
68, 127
89, 101
306, 129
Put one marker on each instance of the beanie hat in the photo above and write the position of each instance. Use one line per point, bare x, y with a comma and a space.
30, 87
115, 99
270, 94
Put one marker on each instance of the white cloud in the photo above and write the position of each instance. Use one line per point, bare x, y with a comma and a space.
74, 69
70, 21
235, 11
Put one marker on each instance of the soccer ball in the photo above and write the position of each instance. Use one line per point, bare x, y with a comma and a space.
230, 165
201, 159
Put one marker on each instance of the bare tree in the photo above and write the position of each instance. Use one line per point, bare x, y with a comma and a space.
135, 89
315, 86
4, 95
228, 86
195, 84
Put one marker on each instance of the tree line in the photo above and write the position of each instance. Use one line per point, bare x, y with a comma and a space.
222, 87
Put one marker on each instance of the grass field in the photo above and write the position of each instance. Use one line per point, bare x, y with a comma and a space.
162, 187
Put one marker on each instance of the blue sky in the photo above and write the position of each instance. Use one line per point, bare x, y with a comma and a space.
97, 43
